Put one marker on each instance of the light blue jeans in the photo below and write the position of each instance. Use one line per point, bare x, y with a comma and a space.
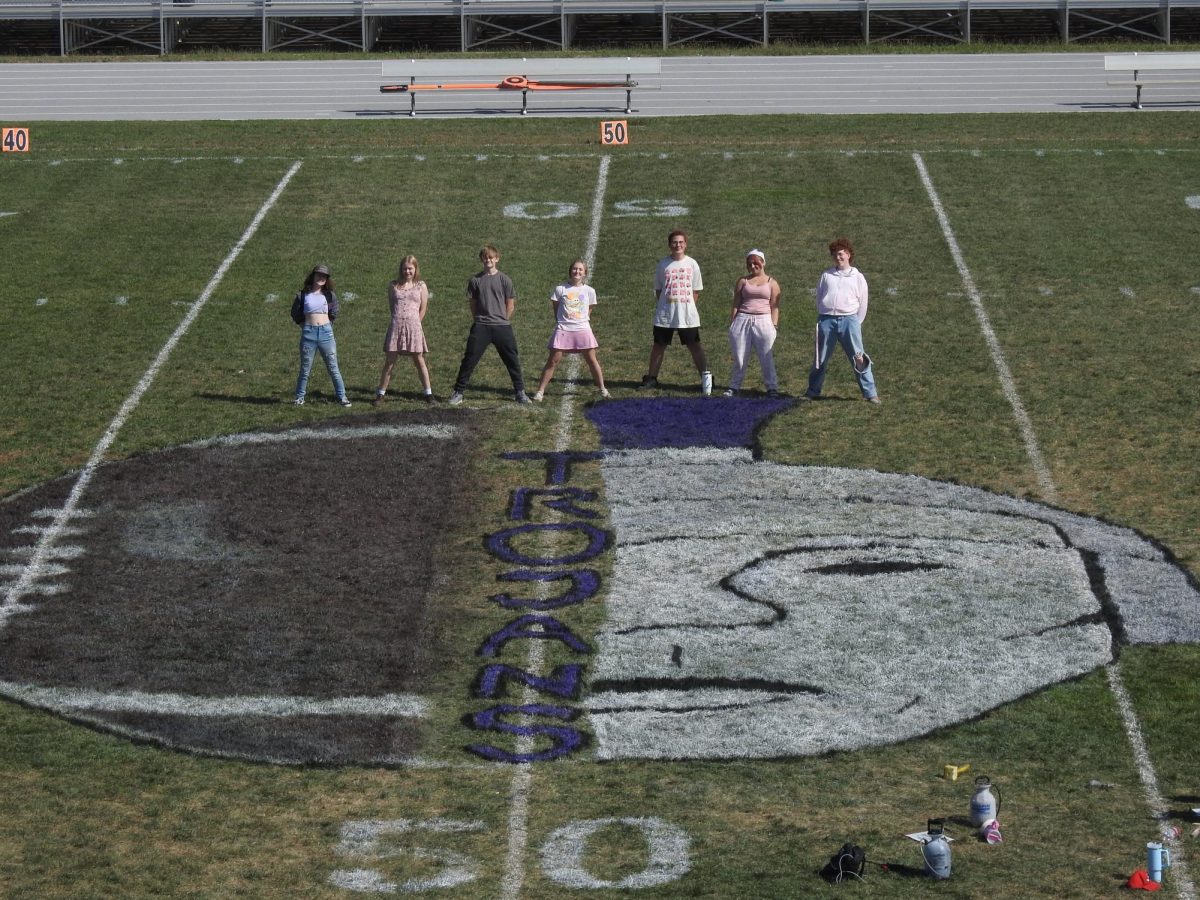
844, 330
314, 338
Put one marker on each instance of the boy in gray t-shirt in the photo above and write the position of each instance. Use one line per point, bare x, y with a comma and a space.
492, 299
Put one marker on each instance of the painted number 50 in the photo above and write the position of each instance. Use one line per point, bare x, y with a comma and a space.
667, 852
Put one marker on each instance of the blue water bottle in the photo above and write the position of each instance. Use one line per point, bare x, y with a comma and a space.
1158, 858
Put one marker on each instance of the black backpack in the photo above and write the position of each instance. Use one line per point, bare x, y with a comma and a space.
849, 861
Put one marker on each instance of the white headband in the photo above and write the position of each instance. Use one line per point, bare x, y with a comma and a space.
759, 254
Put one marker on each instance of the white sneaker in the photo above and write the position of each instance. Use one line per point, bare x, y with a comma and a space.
537, 395
604, 393
455, 398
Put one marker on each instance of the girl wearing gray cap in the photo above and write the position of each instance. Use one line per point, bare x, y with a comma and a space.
314, 310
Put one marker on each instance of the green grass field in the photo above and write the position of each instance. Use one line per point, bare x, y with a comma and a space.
1079, 233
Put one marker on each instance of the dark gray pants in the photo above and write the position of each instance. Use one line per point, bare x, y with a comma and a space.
481, 337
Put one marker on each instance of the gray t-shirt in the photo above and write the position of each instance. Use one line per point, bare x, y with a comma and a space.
490, 293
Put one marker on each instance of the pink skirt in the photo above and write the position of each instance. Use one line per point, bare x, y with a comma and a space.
573, 341
405, 336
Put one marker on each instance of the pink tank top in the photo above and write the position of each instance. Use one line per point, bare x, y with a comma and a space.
755, 299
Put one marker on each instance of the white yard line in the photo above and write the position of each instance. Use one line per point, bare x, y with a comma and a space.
535, 661
1040, 469
1133, 729
43, 553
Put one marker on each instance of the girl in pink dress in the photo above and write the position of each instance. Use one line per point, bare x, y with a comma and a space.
572, 302
409, 297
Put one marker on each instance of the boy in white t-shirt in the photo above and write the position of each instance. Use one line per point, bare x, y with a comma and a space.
677, 286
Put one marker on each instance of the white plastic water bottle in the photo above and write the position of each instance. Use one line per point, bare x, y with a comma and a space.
984, 805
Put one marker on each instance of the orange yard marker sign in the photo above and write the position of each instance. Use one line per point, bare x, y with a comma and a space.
614, 132
14, 139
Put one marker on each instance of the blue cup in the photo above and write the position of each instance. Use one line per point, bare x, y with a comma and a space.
1157, 859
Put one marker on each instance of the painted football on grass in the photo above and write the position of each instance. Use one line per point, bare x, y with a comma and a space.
259, 596
766, 610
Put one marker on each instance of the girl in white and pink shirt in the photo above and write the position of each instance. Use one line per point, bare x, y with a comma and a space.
572, 302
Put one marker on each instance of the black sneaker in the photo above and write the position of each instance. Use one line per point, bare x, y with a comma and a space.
648, 382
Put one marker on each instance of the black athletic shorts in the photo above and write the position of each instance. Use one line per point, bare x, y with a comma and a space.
687, 336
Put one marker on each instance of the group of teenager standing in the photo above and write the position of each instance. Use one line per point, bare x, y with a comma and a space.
842, 300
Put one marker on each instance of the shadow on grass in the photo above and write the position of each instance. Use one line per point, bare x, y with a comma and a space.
252, 401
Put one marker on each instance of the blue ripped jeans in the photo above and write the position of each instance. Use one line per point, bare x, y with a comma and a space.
314, 338
844, 330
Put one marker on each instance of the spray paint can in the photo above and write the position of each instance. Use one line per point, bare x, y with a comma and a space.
1158, 858
984, 805
935, 851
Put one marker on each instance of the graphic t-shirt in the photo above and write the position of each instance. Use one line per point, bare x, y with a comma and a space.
572, 306
676, 281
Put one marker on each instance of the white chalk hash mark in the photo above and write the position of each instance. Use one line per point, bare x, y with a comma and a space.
3, 214
1046, 292
121, 301
1128, 293
1133, 729
893, 291
349, 295
40, 301
1192, 201
271, 298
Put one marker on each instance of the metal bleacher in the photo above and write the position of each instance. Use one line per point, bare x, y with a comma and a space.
165, 26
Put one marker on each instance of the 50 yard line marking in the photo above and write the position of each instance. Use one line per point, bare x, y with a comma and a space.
43, 552
1133, 730
535, 660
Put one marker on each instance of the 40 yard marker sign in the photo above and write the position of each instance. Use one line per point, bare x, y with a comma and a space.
14, 139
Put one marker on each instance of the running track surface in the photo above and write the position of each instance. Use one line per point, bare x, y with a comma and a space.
688, 86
